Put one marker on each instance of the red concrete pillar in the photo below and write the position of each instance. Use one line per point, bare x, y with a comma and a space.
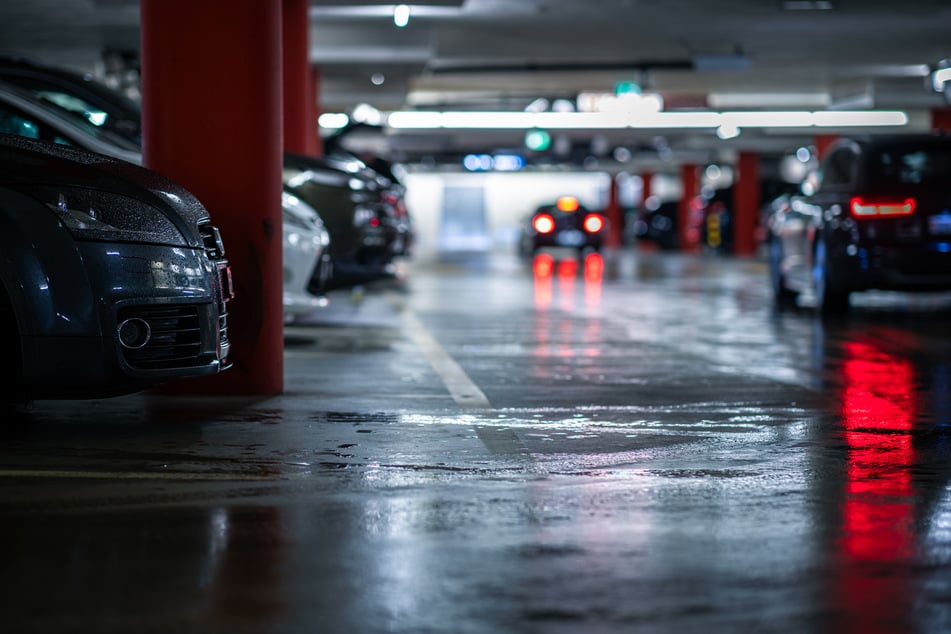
211, 114
646, 180
941, 119
300, 97
746, 203
687, 231
615, 219
823, 141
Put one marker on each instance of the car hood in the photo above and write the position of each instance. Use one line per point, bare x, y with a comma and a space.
25, 162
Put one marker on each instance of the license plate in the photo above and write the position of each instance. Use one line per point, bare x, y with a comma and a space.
571, 238
940, 224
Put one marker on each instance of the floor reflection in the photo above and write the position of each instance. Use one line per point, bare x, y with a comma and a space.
879, 411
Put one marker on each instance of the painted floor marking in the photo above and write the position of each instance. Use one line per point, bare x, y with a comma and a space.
462, 389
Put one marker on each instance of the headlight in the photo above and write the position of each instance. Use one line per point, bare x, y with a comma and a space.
100, 215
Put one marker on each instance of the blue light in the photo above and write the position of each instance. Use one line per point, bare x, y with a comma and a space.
943, 247
477, 162
508, 162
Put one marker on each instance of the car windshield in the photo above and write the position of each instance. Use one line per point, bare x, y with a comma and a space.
925, 167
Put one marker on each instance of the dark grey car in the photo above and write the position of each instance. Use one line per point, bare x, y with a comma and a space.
879, 218
112, 277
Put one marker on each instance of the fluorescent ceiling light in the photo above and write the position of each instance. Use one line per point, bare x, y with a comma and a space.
768, 100
728, 131
660, 120
940, 77
376, 11
401, 15
765, 119
333, 120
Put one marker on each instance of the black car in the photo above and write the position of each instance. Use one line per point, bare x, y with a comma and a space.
879, 218
24, 114
362, 208
112, 279
365, 235
78, 93
657, 225
566, 223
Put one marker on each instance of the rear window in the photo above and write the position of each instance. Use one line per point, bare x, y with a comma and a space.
928, 167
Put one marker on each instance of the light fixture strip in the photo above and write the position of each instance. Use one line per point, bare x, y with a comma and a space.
659, 120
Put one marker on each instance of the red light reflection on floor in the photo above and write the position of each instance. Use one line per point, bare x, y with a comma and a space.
559, 337
545, 269
593, 278
878, 413
543, 266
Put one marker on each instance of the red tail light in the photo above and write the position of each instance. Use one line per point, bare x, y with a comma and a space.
862, 208
543, 223
593, 223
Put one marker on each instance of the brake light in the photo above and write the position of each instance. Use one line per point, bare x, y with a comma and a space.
862, 208
543, 223
567, 203
593, 223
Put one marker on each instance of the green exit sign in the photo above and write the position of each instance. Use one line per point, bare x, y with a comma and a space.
627, 88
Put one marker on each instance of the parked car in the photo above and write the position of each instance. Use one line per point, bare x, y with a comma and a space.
112, 280
365, 239
78, 93
365, 143
879, 218
566, 223
393, 194
306, 257
657, 224
23, 114
307, 265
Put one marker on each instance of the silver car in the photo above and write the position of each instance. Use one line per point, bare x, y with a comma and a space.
307, 265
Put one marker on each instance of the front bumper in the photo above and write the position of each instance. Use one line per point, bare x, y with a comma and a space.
73, 349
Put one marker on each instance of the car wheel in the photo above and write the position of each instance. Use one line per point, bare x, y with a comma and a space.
782, 294
830, 299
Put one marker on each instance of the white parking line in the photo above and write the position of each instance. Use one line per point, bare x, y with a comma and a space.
462, 389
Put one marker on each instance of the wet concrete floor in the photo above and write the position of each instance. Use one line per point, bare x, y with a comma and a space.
638, 443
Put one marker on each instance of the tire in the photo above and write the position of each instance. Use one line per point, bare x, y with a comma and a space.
831, 299
782, 294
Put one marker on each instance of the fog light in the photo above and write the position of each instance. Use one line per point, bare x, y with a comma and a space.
134, 333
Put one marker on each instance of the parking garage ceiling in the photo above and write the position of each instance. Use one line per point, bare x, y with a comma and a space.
503, 55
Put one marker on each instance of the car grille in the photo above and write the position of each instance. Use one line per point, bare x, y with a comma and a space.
175, 340
215, 249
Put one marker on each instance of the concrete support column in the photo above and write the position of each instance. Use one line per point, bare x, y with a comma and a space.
211, 108
615, 218
746, 203
646, 180
687, 236
823, 141
941, 119
300, 95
